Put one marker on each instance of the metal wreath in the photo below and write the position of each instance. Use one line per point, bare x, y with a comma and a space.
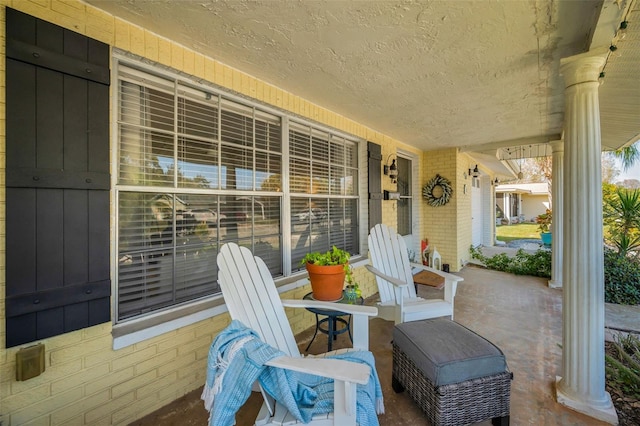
445, 184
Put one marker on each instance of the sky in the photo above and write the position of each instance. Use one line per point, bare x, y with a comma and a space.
632, 173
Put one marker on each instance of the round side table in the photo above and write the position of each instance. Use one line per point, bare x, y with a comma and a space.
333, 320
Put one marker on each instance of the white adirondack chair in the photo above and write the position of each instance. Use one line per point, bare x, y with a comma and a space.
252, 298
394, 275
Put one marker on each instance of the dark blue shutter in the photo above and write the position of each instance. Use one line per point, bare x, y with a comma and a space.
57, 243
374, 154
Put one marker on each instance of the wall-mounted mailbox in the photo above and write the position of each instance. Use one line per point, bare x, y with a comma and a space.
388, 195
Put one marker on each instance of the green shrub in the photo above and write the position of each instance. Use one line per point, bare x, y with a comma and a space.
621, 279
623, 366
621, 273
537, 264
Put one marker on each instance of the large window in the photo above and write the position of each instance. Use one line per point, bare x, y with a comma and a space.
323, 182
197, 168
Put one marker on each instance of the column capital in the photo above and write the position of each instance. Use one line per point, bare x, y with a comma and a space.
583, 67
557, 146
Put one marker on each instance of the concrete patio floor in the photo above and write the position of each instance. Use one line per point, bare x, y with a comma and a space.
520, 314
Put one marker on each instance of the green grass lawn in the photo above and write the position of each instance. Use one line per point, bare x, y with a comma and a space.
518, 231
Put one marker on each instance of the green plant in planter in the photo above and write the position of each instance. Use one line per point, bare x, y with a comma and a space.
327, 273
352, 285
335, 256
544, 221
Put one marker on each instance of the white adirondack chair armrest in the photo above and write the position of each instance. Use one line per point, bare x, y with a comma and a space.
447, 276
335, 369
395, 281
370, 311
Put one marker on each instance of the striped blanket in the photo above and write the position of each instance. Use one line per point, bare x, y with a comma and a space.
236, 360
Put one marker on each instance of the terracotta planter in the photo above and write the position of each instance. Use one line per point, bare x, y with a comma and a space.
327, 282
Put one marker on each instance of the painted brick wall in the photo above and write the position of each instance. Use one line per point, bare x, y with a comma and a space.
448, 227
86, 382
463, 240
440, 223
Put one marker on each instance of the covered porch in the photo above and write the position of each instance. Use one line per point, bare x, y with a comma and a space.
489, 303
236, 93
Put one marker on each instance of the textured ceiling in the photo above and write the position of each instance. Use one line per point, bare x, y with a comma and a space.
431, 74
620, 92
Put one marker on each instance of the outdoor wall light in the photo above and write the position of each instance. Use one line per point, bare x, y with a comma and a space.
475, 172
391, 170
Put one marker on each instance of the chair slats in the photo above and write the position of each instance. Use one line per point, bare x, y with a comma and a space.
399, 301
252, 298
255, 303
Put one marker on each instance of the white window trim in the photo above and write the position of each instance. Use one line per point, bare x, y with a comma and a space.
149, 326
141, 329
413, 241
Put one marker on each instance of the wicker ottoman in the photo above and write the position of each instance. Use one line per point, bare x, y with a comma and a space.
456, 376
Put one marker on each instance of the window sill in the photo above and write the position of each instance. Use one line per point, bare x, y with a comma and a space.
139, 330
148, 327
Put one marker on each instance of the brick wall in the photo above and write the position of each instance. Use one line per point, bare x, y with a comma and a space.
86, 381
440, 223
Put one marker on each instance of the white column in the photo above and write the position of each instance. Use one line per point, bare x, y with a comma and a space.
582, 386
557, 197
519, 205
507, 205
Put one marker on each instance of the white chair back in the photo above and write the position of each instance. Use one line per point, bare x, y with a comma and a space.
394, 275
252, 297
389, 255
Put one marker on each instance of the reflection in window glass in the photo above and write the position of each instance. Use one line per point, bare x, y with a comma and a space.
239, 165
146, 157
268, 175
197, 164
405, 201
197, 170
319, 222
166, 243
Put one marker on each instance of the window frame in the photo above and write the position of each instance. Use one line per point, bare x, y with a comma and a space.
412, 240
178, 314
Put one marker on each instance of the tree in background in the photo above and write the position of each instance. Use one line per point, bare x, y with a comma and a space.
609, 170
538, 170
621, 215
630, 183
628, 155
535, 170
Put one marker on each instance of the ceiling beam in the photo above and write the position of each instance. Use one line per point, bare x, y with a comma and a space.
535, 140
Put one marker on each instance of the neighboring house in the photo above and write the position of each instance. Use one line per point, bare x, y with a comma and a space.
521, 202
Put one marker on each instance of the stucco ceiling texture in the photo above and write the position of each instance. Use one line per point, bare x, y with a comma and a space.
620, 92
431, 74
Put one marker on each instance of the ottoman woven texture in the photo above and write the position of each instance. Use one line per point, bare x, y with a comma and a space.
456, 376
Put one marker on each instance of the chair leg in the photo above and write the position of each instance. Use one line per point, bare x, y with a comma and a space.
314, 334
396, 385
500, 421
